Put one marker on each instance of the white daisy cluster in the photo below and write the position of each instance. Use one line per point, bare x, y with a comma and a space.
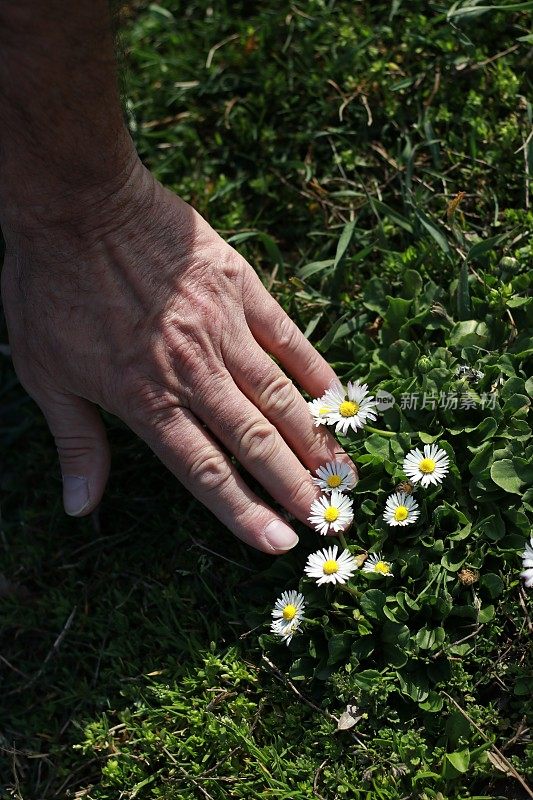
344, 409
425, 468
332, 512
325, 566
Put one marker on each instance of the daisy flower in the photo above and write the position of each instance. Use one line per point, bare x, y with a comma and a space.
327, 567
319, 411
527, 563
527, 575
429, 467
401, 509
350, 409
333, 513
287, 615
335, 475
374, 563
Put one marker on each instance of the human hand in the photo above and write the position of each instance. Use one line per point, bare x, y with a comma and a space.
138, 306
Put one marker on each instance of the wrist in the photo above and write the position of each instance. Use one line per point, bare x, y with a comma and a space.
90, 200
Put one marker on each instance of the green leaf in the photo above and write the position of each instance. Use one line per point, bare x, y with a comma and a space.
517, 404
344, 241
314, 267
486, 614
433, 704
325, 343
475, 10
434, 231
394, 633
163, 12
457, 727
492, 583
377, 446
272, 249
302, 669
483, 459
518, 302
464, 310
411, 284
395, 316
339, 647
453, 561
511, 475
138, 786
469, 333
395, 655
480, 248
374, 296
523, 686
414, 685
311, 325
372, 602
367, 678
394, 216
459, 761
430, 639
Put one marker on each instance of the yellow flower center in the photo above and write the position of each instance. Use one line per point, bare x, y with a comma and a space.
330, 567
333, 481
331, 514
401, 513
348, 409
427, 465
382, 567
289, 612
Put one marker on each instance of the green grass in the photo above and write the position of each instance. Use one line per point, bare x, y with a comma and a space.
130, 659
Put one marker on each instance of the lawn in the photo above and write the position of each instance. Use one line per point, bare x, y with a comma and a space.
372, 161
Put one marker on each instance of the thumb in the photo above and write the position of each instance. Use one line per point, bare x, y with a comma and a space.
83, 450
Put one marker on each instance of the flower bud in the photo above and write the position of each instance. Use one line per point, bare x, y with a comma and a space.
424, 364
508, 262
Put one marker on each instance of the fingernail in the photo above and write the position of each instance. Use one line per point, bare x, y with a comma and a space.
75, 494
280, 536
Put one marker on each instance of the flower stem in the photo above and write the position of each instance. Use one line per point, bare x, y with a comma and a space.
309, 621
349, 590
343, 541
378, 430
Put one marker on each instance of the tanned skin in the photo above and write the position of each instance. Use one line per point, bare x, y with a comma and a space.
119, 295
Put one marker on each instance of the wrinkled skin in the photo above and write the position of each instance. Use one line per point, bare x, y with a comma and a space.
135, 304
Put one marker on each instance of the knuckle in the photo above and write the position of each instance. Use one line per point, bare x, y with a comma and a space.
248, 520
287, 334
191, 342
279, 396
189, 353
321, 446
311, 360
258, 441
300, 495
72, 449
141, 399
208, 471
231, 265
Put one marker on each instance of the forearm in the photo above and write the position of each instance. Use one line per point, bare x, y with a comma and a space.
62, 132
